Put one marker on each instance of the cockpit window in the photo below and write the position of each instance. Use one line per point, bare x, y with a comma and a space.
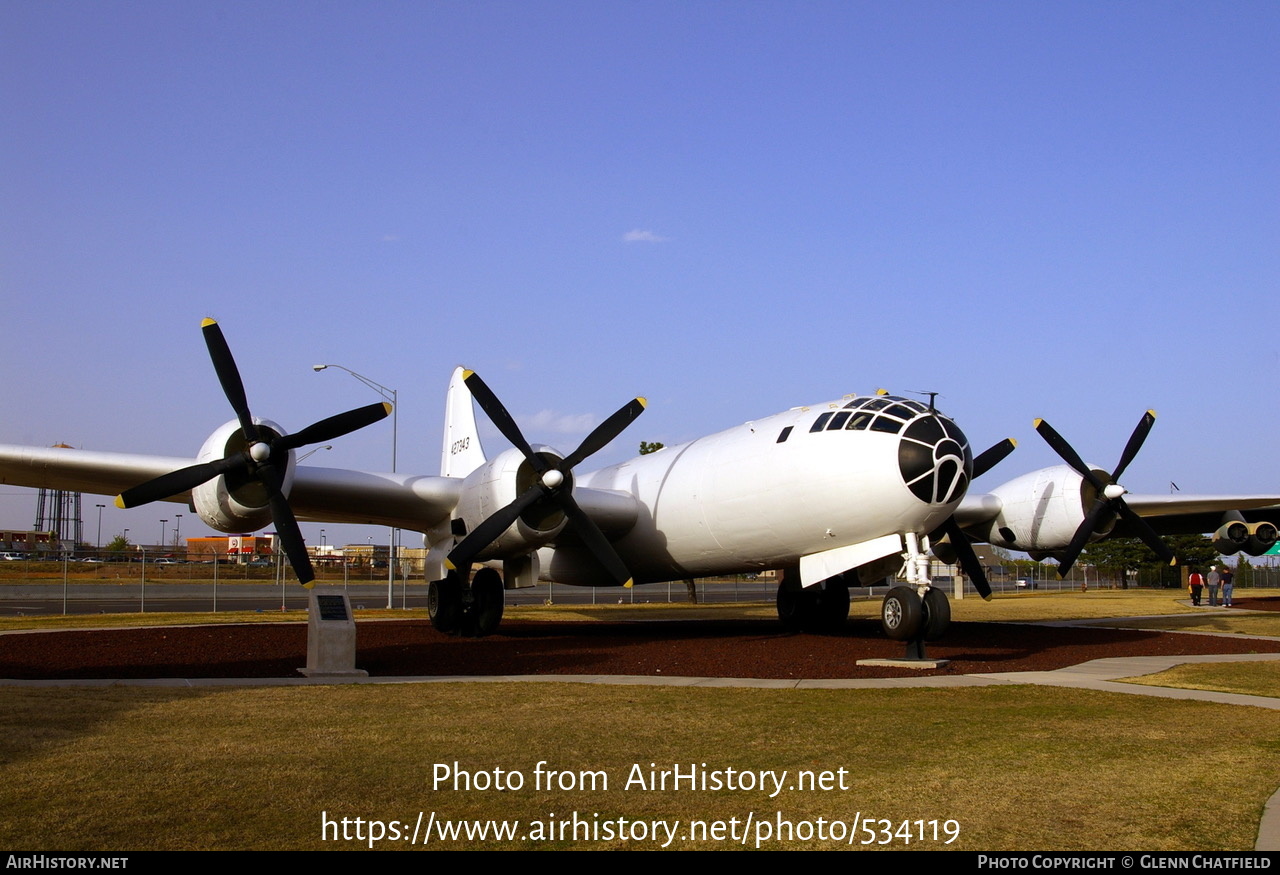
885, 424
820, 422
859, 421
837, 421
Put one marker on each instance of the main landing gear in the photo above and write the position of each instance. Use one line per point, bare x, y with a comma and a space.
472, 611
820, 608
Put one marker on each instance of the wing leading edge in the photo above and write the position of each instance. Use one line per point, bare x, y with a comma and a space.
319, 494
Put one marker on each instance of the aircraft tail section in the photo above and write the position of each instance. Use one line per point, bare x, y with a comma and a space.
461, 453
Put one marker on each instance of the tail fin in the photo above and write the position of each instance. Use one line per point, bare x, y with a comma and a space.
462, 452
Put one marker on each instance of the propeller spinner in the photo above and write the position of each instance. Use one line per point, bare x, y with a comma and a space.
554, 484
259, 458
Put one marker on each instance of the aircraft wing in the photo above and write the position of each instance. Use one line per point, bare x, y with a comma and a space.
319, 494
407, 501
1167, 514
1175, 514
1195, 514
84, 470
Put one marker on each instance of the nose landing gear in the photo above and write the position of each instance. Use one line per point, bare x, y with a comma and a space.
918, 612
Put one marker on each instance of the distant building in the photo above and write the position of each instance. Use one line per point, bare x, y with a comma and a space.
234, 548
32, 542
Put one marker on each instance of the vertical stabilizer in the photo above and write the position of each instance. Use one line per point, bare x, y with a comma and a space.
462, 452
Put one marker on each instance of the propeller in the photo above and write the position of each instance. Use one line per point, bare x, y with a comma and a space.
258, 459
554, 484
959, 541
1109, 496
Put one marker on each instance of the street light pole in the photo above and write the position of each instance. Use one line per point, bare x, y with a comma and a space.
392, 396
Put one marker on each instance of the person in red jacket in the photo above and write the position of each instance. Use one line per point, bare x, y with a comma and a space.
1195, 582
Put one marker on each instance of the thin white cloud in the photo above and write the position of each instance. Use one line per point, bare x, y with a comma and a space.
639, 236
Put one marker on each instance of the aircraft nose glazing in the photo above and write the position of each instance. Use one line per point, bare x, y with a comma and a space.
935, 460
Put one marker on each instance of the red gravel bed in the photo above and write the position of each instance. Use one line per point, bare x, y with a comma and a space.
1256, 604
704, 648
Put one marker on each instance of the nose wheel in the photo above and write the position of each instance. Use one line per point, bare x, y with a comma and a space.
906, 616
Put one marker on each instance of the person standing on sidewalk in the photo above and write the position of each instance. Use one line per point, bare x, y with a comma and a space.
1228, 583
1195, 583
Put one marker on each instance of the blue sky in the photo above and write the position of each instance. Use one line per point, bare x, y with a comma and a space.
1063, 210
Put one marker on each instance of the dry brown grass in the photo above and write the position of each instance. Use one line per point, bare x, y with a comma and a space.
1248, 678
1267, 624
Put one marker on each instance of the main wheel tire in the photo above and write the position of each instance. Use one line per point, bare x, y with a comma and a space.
937, 614
796, 606
488, 599
901, 613
444, 604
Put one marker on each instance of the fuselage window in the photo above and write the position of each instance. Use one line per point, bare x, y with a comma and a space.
837, 421
820, 422
786, 432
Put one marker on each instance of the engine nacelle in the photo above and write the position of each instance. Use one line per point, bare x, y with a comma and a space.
1262, 537
493, 486
236, 502
1041, 511
1231, 537
1237, 535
